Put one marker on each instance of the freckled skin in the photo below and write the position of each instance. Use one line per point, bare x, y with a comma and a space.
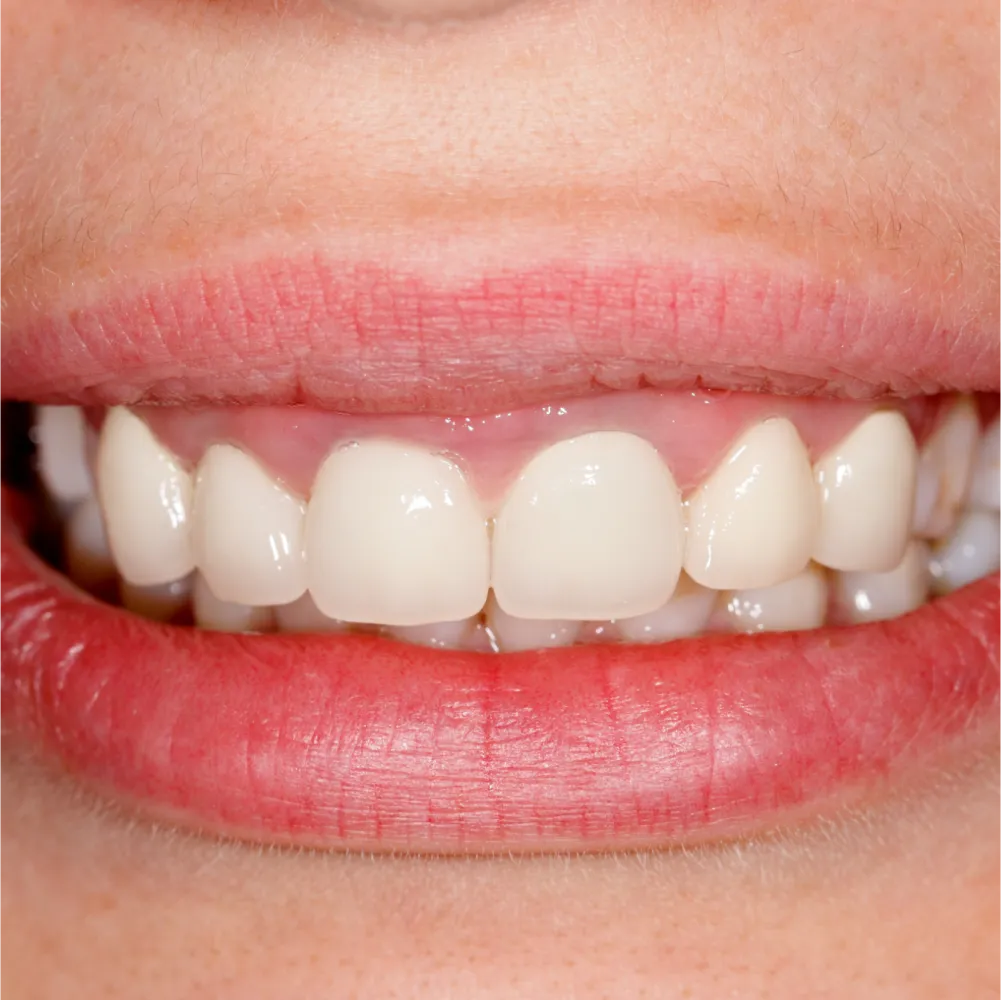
863, 138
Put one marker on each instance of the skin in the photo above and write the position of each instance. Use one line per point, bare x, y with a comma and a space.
863, 139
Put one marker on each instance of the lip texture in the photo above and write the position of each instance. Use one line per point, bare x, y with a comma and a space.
366, 338
364, 743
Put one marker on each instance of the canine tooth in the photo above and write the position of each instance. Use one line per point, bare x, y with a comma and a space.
799, 603
591, 529
60, 434
969, 553
440, 635
303, 615
687, 613
88, 557
247, 531
866, 485
944, 469
867, 597
985, 488
515, 634
146, 499
754, 522
227, 616
395, 536
162, 602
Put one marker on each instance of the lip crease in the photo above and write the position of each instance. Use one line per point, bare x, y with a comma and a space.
360, 742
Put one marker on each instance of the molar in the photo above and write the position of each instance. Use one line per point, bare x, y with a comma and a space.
866, 485
591, 529
754, 522
395, 536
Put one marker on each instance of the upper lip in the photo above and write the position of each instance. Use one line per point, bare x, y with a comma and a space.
362, 337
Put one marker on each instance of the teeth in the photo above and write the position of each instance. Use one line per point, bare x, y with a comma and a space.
944, 471
227, 616
303, 615
686, 613
441, 635
969, 553
799, 603
985, 489
60, 433
754, 522
866, 488
247, 531
592, 529
162, 603
146, 499
867, 597
515, 634
394, 536
88, 559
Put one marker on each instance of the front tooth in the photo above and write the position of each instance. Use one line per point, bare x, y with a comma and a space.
515, 634
60, 433
440, 635
247, 531
754, 522
687, 613
944, 471
394, 536
799, 603
592, 529
868, 597
162, 602
303, 615
985, 488
227, 616
146, 499
969, 553
866, 488
88, 557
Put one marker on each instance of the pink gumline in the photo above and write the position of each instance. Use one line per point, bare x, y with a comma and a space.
692, 430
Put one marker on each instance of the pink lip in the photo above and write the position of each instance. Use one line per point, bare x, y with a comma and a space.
363, 338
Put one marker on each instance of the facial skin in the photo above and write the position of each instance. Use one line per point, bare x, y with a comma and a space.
140, 137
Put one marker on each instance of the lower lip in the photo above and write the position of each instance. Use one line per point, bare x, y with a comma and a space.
359, 742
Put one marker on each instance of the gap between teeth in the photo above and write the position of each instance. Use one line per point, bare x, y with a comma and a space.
593, 542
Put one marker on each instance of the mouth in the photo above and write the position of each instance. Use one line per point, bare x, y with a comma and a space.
574, 558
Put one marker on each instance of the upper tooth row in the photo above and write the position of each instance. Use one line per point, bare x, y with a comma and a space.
593, 528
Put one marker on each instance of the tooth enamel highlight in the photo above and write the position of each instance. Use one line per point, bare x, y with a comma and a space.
754, 522
944, 470
303, 615
970, 552
88, 558
867, 597
866, 486
226, 616
515, 634
440, 635
591, 529
394, 536
246, 531
146, 499
799, 603
687, 613
60, 434
985, 488
162, 602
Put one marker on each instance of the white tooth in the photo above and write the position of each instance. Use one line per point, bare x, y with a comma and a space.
303, 615
162, 602
441, 635
754, 522
867, 597
944, 471
592, 529
799, 603
686, 613
247, 531
395, 536
227, 616
146, 498
985, 489
515, 634
60, 433
866, 485
88, 558
972, 551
